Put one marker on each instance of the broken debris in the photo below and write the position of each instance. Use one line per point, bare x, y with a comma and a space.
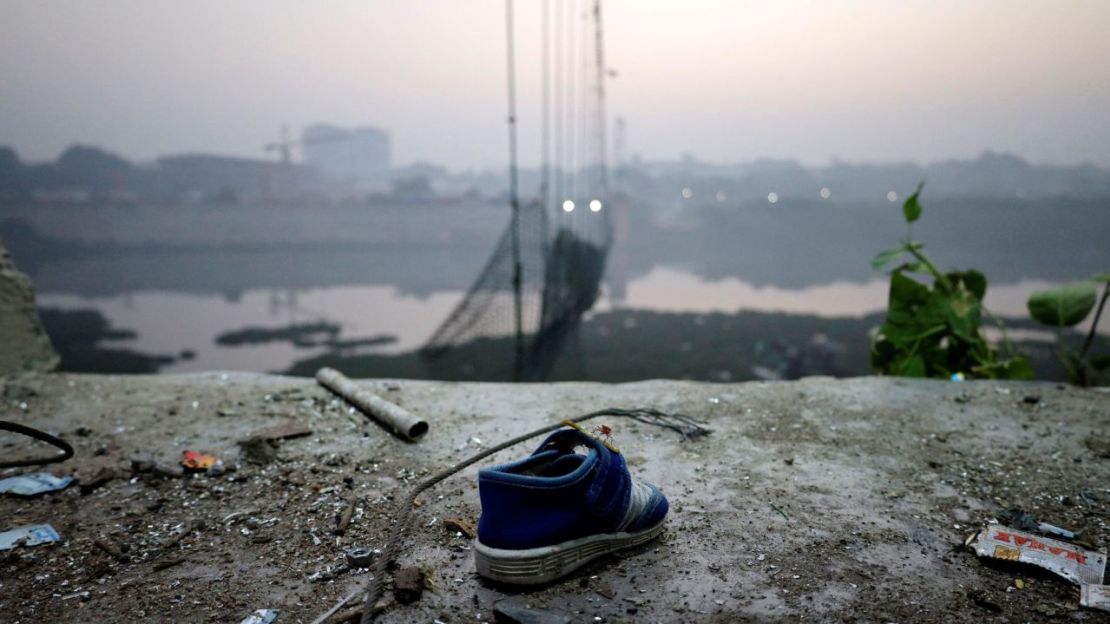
461, 525
33, 484
261, 616
186, 528
116, 552
343, 520
408, 584
1095, 597
1019, 518
1074, 563
98, 480
286, 430
328, 573
28, 535
194, 461
169, 563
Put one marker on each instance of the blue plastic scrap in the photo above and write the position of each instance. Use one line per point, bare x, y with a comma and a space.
33, 484
29, 535
261, 616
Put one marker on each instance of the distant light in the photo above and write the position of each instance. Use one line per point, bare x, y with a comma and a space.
595, 205
773, 197
721, 196
825, 192
687, 193
568, 206
891, 196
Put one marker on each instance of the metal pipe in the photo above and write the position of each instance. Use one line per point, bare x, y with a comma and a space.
390, 415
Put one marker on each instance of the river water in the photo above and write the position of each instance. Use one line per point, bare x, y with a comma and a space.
174, 322
396, 273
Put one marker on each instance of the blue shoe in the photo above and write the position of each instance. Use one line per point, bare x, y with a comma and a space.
554, 511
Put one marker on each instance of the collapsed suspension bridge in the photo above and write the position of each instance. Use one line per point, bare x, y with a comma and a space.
546, 269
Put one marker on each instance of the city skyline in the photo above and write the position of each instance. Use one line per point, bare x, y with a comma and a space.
860, 81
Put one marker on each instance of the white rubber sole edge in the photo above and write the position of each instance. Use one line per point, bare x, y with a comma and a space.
534, 566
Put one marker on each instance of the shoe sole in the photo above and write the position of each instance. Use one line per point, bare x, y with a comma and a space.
535, 566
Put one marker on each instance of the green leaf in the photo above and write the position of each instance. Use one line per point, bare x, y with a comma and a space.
1018, 367
905, 292
912, 367
1064, 306
912, 208
908, 307
1103, 277
884, 258
973, 281
962, 311
905, 336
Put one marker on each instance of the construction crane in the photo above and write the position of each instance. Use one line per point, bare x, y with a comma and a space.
285, 144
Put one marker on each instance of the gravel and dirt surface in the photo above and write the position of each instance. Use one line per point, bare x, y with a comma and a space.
815, 500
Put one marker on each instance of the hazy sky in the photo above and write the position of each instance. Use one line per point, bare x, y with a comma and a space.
728, 80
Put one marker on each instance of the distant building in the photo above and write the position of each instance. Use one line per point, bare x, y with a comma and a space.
207, 177
347, 153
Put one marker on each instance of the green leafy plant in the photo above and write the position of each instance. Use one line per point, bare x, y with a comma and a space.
933, 327
1068, 306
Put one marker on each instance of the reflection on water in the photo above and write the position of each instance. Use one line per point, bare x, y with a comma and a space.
671, 290
363, 315
86, 341
170, 322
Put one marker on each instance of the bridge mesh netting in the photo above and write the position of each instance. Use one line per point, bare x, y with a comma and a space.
560, 268
560, 281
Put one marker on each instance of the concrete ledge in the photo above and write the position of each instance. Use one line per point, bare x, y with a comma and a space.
818, 499
24, 345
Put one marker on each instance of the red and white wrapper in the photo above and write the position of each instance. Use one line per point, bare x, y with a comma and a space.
1095, 597
1078, 565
